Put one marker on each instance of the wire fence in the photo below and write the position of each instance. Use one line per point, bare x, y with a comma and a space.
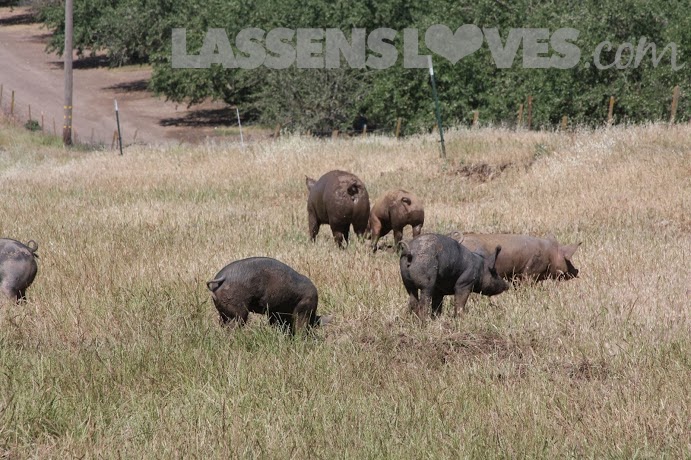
15, 111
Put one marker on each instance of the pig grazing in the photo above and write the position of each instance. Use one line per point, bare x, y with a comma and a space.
525, 257
437, 265
267, 286
395, 210
339, 199
18, 267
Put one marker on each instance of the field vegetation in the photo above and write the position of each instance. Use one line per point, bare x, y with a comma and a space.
118, 351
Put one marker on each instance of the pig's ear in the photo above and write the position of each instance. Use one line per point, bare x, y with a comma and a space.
309, 182
567, 251
406, 200
494, 261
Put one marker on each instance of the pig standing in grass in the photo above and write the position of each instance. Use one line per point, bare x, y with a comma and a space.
18, 267
436, 265
339, 199
396, 209
525, 257
267, 286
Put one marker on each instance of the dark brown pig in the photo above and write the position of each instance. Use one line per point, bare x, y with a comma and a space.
267, 286
433, 266
339, 199
396, 209
525, 257
18, 267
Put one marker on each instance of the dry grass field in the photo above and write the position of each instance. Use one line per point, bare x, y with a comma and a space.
118, 352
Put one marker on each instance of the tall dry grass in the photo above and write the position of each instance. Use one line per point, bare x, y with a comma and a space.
118, 352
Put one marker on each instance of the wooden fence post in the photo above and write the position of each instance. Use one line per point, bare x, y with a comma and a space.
115, 138
277, 130
29, 113
398, 128
530, 112
41, 121
476, 118
1, 88
364, 129
610, 112
675, 101
12, 105
334, 134
564, 122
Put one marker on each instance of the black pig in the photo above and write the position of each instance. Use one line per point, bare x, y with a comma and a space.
437, 265
267, 286
18, 267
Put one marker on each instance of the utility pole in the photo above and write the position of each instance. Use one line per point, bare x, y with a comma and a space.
67, 55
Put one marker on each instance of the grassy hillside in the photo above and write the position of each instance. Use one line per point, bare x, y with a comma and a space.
118, 352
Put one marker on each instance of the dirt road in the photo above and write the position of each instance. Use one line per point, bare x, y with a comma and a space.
37, 79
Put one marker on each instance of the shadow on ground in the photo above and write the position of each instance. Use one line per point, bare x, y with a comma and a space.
85, 62
19, 19
130, 86
200, 118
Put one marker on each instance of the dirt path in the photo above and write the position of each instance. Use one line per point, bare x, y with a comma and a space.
37, 80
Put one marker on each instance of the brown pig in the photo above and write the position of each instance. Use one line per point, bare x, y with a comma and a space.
396, 209
524, 256
339, 199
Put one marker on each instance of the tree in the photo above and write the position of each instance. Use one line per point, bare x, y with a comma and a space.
140, 30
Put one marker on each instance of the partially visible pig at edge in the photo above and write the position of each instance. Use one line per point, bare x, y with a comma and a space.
18, 267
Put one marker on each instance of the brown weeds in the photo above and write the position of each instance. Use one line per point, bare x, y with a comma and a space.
118, 351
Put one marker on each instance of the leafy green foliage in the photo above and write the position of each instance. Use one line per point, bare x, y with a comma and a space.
32, 125
136, 31
312, 99
128, 30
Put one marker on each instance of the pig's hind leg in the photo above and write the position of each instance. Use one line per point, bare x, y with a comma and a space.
340, 234
231, 312
461, 295
280, 320
302, 314
413, 297
425, 304
437, 300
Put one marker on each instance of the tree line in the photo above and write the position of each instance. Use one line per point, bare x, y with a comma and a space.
634, 50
